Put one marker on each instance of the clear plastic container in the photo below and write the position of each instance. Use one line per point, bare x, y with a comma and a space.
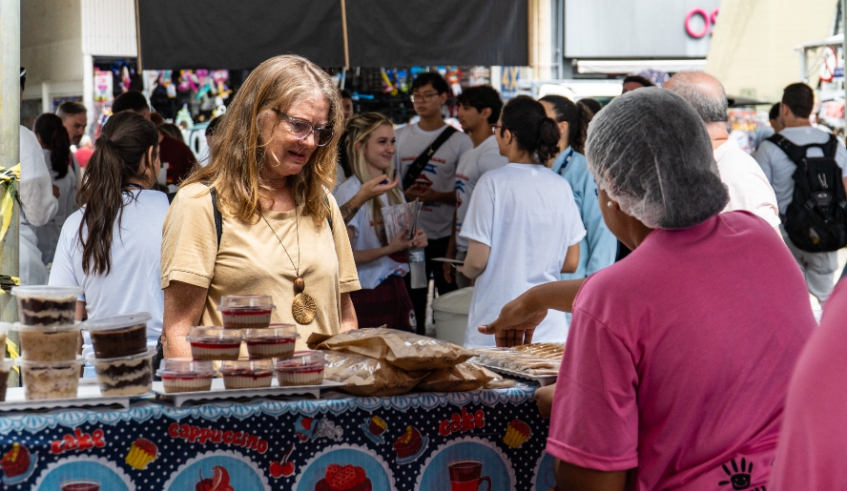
246, 311
275, 341
125, 376
48, 343
186, 375
46, 305
214, 343
247, 374
119, 335
304, 368
5, 368
50, 379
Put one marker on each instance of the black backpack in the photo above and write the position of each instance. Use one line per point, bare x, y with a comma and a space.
816, 219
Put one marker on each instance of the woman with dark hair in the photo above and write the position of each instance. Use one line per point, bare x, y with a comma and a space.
522, 220
677, 363
111, 247
599, 247
56, 145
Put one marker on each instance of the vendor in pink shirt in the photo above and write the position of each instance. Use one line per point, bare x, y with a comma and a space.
678, 357
812, 452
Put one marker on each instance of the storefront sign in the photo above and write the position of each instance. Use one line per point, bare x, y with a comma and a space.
509, 81
708, 22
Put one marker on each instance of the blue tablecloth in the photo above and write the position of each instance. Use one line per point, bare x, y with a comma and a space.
457, 442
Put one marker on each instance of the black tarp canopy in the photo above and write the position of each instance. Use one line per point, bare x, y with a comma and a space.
240, 34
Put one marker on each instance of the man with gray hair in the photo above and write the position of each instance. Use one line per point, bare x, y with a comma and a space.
74, 119
749, 189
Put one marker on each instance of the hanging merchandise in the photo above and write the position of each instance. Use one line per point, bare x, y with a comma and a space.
454, 78
221, 91
187, 81
183, 118
166, 80
102, 86
403, 80
387, 85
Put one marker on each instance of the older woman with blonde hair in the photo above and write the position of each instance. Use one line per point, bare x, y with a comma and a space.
259, 218
381, 260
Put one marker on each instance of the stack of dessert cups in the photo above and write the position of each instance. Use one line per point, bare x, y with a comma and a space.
122, 360
49, 336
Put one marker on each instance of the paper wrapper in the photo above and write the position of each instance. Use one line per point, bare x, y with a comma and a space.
364, 376
462, 377
404, 350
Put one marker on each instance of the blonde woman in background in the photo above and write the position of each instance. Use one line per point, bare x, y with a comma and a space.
381, 260
281, 232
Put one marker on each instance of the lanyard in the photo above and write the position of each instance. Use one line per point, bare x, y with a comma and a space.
566, 160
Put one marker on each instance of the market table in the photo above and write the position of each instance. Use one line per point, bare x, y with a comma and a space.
486, 440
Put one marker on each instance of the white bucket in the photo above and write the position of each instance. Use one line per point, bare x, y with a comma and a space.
450, 314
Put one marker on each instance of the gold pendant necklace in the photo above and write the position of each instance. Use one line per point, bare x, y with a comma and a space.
304, 307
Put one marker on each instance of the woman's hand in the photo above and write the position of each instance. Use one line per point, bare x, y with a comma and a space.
375, 187
517, 321
544, 399
400, 243
420, 241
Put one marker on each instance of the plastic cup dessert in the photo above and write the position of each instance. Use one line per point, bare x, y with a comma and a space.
5, 368
276, 341
46, 305
247, 374
48, 343
213, 343
185, 375
246, 311
304, 368
50, 379
125, 376
118, 335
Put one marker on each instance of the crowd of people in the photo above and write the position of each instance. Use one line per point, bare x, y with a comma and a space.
639, 233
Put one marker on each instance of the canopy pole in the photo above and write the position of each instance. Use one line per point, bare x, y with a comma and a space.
344, 33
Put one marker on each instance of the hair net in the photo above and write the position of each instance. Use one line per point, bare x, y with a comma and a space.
651, 153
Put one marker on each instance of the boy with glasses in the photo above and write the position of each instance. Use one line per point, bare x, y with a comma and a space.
426, 165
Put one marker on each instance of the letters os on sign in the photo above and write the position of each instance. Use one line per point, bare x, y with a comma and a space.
708, 22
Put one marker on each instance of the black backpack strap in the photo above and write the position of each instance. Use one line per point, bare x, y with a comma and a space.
830, 148
795, 152
418, 165
219, 221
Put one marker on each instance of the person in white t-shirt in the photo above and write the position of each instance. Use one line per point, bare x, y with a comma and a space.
523, 226
479, 108
111, 247
380, 260
435, 185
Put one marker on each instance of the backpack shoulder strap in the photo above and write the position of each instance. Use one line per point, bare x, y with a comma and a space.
830, 148
219, 222
794, 152
418, 165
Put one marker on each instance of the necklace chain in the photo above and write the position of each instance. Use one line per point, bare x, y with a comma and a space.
297, 222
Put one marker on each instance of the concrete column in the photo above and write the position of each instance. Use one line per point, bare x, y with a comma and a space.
46, 100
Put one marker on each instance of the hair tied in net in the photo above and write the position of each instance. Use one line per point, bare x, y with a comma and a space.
650, 151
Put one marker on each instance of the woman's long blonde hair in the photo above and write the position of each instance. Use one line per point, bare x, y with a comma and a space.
360, 128
239, 155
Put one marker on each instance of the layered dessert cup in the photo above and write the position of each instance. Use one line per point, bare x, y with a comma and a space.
5, 368
304, 368
119, 335
125, 376
276, 341
185, 375
246, 311
47, 305
212, 343
48, 343
50, 379
247, 374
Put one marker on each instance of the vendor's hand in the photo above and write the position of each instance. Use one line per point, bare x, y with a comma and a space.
400, 243
375, 187
448, 272
414, 192
517, 322
420, 241
423, 192
544, 399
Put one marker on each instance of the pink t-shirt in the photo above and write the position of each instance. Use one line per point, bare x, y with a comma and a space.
812, 452
678, 358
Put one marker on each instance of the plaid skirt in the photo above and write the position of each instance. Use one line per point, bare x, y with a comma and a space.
388, 304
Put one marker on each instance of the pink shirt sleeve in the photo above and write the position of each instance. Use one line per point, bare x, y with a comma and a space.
595, 413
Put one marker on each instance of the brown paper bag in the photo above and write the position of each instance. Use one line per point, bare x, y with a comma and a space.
402, 349
460, 378
364, 376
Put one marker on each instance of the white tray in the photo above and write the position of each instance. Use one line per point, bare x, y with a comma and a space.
86, 395
219, 392
541, 380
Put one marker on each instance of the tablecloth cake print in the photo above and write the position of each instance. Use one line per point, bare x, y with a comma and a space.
476, 441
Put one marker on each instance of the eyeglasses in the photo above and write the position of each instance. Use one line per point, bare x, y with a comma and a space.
302, 129
424, 97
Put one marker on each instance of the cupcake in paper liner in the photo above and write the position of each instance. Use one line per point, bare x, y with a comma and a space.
141, 453
517, 433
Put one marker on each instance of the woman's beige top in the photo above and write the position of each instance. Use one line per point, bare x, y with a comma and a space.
250, 259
